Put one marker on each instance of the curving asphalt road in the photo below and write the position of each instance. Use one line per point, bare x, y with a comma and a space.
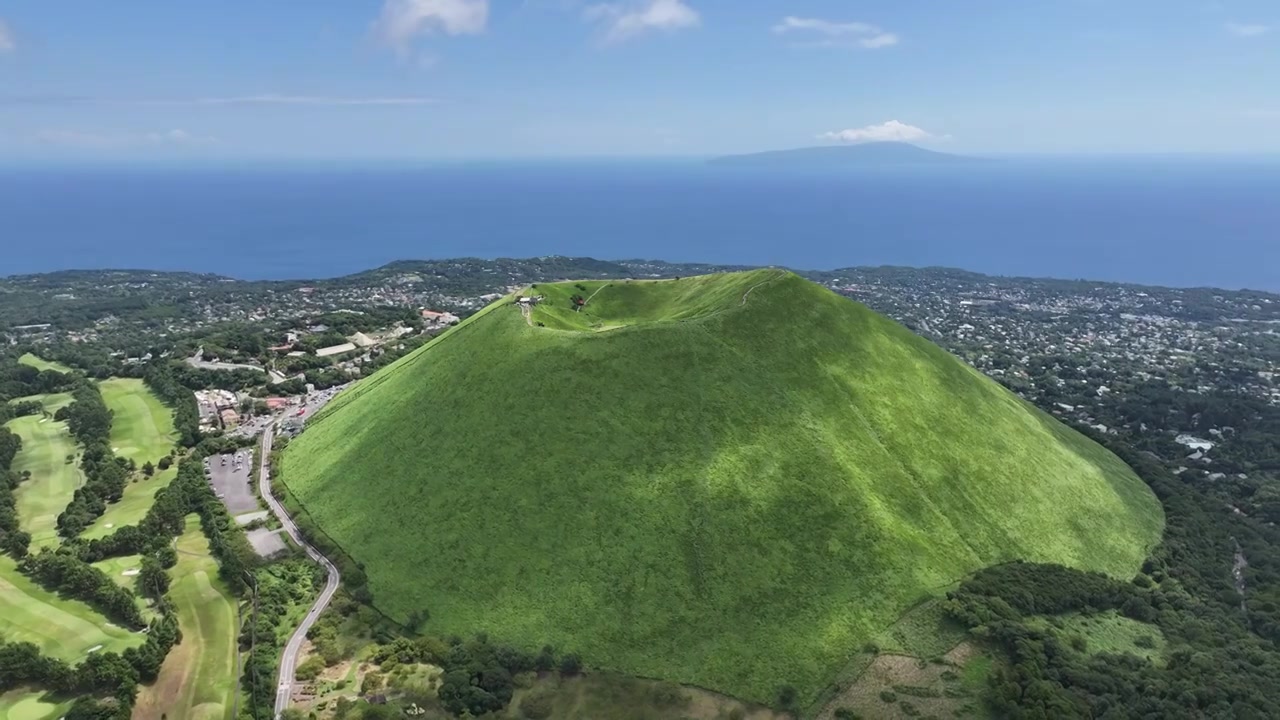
289, 660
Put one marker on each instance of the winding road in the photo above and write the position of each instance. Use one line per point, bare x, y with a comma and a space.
289, 660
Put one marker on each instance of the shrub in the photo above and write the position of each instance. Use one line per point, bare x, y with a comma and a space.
844, 713
1145, 641
908, 709
537, 706
787, 696
570, 664
310, 668
888, 696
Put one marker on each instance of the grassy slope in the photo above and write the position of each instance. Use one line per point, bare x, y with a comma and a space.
677, 483
141, 430
45, 447
41, 364
197, 680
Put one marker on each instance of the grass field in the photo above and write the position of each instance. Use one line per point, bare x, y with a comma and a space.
141, 430
41, 364
66, 629
734, 482
197, 680
1109, 632
45, 447
24, 704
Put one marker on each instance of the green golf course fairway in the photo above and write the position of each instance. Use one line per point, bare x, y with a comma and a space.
45, 447
23, 704
732, 481
116, 567
141, 430
65, 629
198, 678
41, 364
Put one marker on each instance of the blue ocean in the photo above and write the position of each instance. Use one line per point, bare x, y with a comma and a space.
1170, 221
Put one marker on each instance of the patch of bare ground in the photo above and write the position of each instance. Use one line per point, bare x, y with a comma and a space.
161, 696
901, 686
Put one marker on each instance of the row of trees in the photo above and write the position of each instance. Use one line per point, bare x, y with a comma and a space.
64, 573
89, 420
13, 539
160, 380
18, 380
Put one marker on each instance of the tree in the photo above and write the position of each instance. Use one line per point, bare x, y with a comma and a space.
570, 664
148, 469
370, 684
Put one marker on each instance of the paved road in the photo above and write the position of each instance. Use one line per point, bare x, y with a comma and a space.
289, 661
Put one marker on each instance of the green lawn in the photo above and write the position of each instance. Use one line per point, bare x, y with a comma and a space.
197, 680
24, 704
735, 482
66, 629
41, 364
116, 568
141, 430
45, 447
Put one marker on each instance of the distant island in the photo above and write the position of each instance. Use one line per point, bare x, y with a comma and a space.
876, 154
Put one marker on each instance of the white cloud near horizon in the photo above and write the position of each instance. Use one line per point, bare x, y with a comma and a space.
891, 131
625, 21
114, 141
833, 34
7, 43
403, 20
1247, 29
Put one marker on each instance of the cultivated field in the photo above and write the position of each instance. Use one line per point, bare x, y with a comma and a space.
46, 446
141, 430
734, 482
197, 680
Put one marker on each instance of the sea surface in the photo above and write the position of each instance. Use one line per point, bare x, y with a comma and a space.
1157, 221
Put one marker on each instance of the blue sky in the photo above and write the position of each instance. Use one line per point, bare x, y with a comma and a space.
158, 79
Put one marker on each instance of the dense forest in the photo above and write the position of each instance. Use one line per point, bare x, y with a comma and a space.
1223, 661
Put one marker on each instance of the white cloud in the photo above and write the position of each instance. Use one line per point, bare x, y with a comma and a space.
7, 43
1247, 29
831, 33
624, 21
114, 141
403, 20
892, 131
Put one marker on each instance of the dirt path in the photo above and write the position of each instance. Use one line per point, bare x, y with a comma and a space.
527, 313
597, 292
747, 294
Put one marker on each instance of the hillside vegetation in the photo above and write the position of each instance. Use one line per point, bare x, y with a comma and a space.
733, 481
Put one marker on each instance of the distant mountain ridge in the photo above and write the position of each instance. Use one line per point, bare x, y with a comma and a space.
875, 154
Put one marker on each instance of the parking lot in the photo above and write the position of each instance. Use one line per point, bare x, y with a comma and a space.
231, 477
266, 543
